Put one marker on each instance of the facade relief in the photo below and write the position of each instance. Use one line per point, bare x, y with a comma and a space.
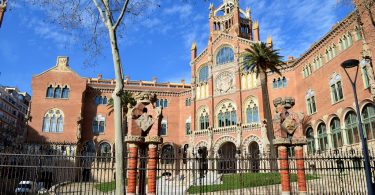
224, 83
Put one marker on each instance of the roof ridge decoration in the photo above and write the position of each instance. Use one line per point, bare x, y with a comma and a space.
62, 65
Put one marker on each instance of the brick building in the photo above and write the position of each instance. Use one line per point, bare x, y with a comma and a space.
221, 110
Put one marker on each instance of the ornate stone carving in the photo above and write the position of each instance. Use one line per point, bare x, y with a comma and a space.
145, 97
289, 120
153, 139
224, 82
221, 141
144, 121
248, 140
134, 139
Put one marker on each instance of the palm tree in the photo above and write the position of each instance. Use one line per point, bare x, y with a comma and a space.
261, 59
126, 99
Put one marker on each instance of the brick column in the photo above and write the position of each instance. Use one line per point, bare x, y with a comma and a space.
284, 170
132, 169
151, 169
301, 179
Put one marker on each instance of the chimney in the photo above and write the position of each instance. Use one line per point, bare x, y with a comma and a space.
256, 31
290, 58
182, 81
99, 76
193, 51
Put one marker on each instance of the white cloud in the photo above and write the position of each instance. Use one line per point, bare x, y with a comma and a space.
294, 25
183, 10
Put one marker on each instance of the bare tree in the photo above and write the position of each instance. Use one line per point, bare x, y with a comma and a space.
96, 22
3, 6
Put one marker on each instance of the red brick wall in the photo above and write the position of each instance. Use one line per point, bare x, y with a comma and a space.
71, 107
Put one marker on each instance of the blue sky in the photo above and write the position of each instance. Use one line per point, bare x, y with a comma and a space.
157, 44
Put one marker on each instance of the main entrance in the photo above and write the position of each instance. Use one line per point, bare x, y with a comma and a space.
227, 158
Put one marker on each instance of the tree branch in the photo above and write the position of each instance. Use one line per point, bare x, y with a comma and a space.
121, 14
100, 12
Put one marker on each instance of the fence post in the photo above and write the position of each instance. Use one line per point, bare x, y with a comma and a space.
301, 179
152, 142
132, 169
284, 170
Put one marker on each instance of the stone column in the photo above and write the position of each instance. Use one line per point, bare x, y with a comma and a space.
284, 170
132, 168
153, 142
301, 179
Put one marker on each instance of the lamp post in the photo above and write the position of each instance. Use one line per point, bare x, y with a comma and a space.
351, 63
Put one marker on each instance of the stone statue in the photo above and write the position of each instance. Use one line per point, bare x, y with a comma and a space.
265, 140
144, 114
288, 120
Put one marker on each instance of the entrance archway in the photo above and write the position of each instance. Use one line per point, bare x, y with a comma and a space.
254, 156
227, 158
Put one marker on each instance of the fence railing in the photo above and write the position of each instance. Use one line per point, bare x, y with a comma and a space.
329, 173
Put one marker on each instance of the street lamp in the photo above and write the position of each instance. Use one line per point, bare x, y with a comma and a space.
351, 63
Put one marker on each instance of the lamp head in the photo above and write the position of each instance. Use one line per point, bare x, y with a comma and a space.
350, 63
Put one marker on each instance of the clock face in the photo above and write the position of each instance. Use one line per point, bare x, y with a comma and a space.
224, 82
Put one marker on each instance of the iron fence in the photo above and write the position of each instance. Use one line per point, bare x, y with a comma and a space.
336, 172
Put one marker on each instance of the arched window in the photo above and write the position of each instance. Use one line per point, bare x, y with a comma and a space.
65, 92
165, 103
53, 121
96, 99
167, 154
203, 120
105, 100
49, 93
53, 124
365, 76
46, 123
203, 74
279, 83
60, 124
252, 113
226, 115
274, 84
224, 56
336, 88
310, 140
368, 116
322, 137
310, 102
104, 153
57, 92
188, 126
351, 127
98, 124
100, 100
285, 81
164, 126
358, 33
336, 132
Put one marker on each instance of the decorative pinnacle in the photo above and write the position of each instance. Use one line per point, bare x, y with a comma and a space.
194, 46
255, 25
269, 39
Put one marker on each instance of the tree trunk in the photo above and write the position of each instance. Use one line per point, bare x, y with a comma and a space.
2, 11
268, 116
116, 95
